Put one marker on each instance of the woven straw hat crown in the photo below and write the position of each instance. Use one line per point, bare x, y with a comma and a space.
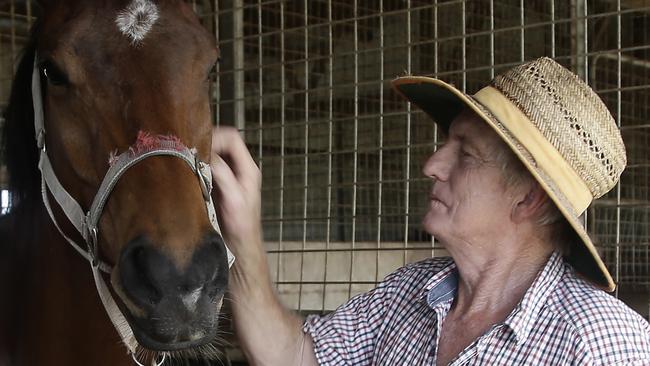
571, 117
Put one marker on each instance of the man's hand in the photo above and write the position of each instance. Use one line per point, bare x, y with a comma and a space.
237, 189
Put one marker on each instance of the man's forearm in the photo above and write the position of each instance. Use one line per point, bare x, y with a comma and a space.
269, 333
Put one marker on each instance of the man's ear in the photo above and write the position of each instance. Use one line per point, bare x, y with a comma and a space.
529, 204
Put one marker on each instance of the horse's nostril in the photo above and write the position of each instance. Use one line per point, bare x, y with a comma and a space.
137, 272
217, 280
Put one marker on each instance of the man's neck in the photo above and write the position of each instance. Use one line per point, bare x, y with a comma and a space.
491, 282
493, 279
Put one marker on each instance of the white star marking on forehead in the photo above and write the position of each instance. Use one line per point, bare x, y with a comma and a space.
136, 20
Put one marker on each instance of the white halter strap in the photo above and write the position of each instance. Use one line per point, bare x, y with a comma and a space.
87, 224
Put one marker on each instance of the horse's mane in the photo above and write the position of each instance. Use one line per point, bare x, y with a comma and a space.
19, 151
18, 229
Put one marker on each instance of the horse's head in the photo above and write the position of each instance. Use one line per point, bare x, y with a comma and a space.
118, 75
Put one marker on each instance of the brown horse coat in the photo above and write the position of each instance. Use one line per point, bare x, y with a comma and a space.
103, 83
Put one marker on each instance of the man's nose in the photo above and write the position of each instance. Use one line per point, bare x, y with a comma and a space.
438, 165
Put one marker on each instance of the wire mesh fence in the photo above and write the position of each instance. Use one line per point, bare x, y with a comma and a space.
341, 153
307, 82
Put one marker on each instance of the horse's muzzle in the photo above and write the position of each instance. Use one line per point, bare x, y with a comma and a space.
173, 308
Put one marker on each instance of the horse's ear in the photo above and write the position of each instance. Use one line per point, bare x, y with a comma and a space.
38, 6
42, 5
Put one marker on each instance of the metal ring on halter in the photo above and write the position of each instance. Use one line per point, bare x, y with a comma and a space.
203, 182
92, 242
40, 140
158, 363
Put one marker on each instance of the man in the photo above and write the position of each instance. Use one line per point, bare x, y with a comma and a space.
523, 159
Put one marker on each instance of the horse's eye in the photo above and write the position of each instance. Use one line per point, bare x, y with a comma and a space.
54, 74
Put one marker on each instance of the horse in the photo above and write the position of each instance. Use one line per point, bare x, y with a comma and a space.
110, 111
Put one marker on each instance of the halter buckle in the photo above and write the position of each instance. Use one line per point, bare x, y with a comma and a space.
40, 140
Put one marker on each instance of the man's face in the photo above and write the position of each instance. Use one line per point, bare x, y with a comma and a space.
468, 203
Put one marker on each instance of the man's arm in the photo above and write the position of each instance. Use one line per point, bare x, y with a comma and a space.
269, 333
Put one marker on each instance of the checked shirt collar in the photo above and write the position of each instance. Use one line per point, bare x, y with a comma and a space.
440, 291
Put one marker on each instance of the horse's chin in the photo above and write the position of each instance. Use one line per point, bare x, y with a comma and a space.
194, 346
187, 340
200, 343
207, 351
203, 348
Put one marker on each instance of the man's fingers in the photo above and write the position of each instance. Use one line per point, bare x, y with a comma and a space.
227, 143
237, 197
223, 176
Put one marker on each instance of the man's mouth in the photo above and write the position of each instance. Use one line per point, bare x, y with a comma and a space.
434, 199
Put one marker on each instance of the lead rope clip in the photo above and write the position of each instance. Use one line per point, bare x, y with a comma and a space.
153, 362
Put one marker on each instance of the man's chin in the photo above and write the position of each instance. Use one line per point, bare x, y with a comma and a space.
433, 227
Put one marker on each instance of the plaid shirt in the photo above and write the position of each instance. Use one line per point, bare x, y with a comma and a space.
561, 320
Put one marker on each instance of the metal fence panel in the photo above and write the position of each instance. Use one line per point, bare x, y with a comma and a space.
340, 152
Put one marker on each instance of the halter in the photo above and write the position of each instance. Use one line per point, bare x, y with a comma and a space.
88, 224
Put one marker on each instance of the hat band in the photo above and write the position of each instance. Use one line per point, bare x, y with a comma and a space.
546, 156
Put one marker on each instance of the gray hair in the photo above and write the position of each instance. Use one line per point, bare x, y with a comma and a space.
516, 174
549, 218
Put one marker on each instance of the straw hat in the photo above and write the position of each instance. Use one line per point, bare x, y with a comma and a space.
557, 126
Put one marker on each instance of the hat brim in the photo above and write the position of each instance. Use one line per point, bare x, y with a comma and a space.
443, 102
